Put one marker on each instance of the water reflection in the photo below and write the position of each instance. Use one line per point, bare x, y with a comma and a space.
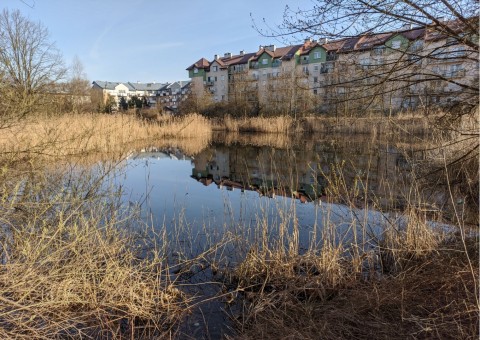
301, 172
225, 186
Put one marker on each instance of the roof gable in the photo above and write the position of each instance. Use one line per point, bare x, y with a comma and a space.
200, 64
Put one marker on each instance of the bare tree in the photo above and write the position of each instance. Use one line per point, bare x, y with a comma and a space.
435, 56
30, 64
78, 86
441, 48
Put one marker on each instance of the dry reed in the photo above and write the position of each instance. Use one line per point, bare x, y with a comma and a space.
66, 135
73, 268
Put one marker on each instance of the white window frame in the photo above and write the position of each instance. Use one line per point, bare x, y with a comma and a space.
264, 61
317, 55
396, 44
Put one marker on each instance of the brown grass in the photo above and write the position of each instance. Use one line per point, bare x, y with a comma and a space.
411, 281
73, 268
281, 124
67, 135
434, 299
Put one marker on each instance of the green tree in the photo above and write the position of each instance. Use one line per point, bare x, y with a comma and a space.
135, 102
123, 104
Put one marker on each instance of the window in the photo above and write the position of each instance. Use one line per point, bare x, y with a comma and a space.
416, 46
215, 68
396, 44
223, 77
305, 69
455, 70
315, 79
458, 51
316, 55
195, 70
264, 61
379, 50
315, 68
315, 91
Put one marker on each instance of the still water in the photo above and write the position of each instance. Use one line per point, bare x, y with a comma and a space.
231, 185
243, 188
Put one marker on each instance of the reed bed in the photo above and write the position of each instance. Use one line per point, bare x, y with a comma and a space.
65, 135
401, 125
406, 279
281, 124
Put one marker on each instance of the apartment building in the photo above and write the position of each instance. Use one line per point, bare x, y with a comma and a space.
160, 95
404, 69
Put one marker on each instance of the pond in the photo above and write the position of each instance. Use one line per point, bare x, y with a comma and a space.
259, 191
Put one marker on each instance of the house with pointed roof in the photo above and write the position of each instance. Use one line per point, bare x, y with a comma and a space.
379, 71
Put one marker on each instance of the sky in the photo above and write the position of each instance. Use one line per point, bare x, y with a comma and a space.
151, 40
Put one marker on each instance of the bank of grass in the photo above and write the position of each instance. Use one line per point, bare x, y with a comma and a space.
82, 134
405, 124
73, 259
73, 265
406, 276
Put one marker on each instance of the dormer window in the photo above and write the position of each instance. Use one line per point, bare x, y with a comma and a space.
264, 61
316, 55
396, 44
195, 70
215, 68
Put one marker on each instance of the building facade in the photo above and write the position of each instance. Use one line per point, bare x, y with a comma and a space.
400, 70
157, 95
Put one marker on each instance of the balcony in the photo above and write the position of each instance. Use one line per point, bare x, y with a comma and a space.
332, 57
455, 74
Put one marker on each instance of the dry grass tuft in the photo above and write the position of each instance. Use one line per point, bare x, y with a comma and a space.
435, 298
72, 268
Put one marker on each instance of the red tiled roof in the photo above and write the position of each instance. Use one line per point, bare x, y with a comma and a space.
413, 34
238, 59
363, 42
371, 40
201, 64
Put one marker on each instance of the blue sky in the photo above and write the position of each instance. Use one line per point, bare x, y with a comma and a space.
151, 40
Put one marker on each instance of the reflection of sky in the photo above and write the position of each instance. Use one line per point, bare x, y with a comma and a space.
169, 197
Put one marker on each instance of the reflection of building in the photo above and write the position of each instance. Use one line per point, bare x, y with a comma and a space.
301, 174
258, 169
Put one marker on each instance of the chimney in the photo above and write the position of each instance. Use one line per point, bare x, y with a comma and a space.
260, 47
271, 48
228, 55
308, 40
322, 41
242, 52
407, 26
215, 57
